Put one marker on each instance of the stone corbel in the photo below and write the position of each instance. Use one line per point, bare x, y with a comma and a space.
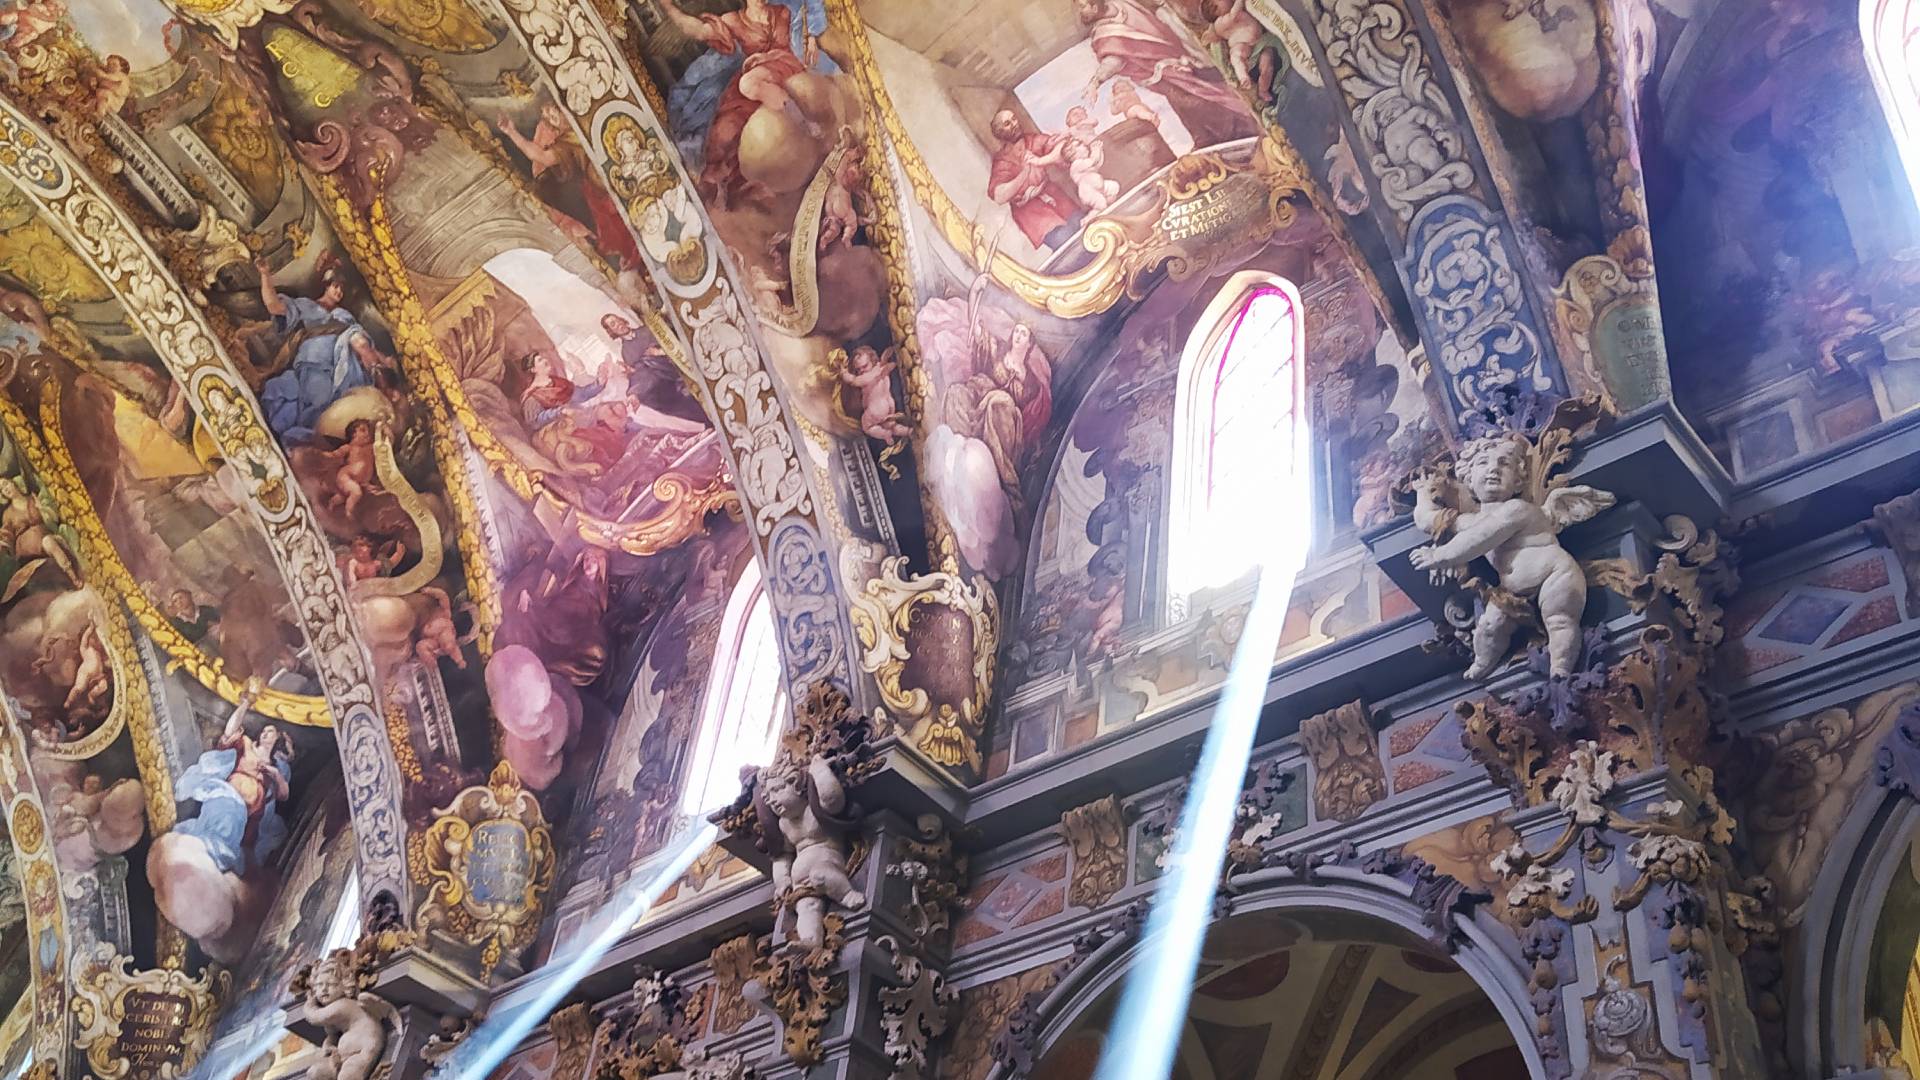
1096, 834
1343, 753
936, 876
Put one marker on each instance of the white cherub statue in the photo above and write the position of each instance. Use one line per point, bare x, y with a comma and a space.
800, 809
356, 1022
1512, 519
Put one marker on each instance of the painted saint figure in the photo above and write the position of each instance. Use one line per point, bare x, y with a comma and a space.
554, 408
563, 180
239, 785
654, 384
1023, 181
326, 352
765, 36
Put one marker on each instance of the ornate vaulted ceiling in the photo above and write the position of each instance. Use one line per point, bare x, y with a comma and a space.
393, 390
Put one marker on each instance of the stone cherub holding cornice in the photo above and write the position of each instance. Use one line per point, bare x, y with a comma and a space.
801, 813
1502, 501
357, 1022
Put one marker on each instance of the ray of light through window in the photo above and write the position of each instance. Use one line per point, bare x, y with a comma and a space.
1265, 342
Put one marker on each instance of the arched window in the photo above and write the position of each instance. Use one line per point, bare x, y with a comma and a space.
1236, 412
746, 697
1890, 30
344, 928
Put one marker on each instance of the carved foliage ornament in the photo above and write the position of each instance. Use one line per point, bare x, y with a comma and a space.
935, 875
801, 986
646, 1035
913, 1013
1344, 751
1097, 835
487, 862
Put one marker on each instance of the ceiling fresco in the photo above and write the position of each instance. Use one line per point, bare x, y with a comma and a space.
394, 394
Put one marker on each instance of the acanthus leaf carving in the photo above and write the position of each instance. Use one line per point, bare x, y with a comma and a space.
1344, 752
913, 1013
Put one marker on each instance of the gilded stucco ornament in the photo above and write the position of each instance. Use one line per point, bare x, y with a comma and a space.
156, 306
1695, 569
1344, 753
151, 1023
487, 862
1096, 834
646, 1036
1508, 505
801, 985
894, 617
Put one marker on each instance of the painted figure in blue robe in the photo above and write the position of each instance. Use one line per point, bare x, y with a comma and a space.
239, 785
326, 353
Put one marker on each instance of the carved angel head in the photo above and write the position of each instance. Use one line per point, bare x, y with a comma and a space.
1495, 466
332, 979
783, 787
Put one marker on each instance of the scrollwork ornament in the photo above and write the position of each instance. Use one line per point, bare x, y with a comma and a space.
884, 614
935, 875
801, 986
155, 1022
1407, 127
487, 862
192, 354
1473, 301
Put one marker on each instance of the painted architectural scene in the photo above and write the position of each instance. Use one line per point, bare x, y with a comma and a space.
706, 539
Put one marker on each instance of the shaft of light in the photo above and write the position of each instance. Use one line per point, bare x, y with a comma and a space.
1145, 1032
222, 1066
496, 1037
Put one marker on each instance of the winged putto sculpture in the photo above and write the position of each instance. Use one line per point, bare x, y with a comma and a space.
1501, 501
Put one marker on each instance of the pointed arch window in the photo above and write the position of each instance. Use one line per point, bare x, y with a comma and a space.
1237, 411
746, 698
1890, 31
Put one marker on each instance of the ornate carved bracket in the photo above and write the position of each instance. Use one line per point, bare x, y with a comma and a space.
1344, 752
935, 874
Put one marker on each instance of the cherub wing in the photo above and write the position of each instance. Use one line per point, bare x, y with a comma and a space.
1575, 503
